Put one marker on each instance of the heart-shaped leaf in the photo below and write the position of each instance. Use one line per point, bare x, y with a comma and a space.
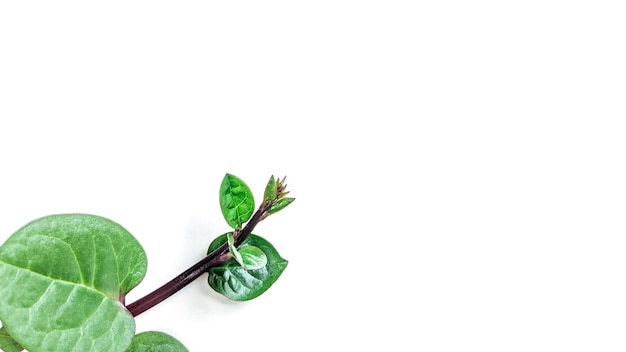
155, 341
236, 201
235, 282
64, 279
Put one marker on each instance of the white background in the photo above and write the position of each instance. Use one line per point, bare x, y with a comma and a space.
459, 166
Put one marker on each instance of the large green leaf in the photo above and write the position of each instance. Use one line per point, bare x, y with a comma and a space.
236, 201
64, 279
155, 341
233, 281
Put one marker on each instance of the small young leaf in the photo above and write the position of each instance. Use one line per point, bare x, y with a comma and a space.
155, 341
236, 201
232, 249
7, 343
253, 258
249, 257
64, 278
280, 205
239, 284
270, 190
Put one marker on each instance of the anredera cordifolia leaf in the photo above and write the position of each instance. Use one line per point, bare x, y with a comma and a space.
155, 341
270, 190
236, 201
231, 248
64, 278
280, 205
239, 284
7, 343
252, 258
249, 257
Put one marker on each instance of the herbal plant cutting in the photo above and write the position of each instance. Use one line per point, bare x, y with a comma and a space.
64, 278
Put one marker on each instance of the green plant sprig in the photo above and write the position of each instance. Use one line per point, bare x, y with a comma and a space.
274, 201
57, 263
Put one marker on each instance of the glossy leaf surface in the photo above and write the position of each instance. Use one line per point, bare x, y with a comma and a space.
252, 258
64, 278
155, 341
249, 257
236, 201
280, 205
270, 190
239, 284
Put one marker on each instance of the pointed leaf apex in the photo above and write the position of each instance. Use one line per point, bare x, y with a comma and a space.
270, 190
280, 205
